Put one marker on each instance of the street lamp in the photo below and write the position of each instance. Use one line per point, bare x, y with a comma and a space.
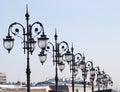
82, 66
73, 60
99, 76
92, 74
58, 51
85, 66
28, 40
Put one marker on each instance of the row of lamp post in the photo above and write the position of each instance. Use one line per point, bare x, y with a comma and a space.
102, 79
60, 52
79, 62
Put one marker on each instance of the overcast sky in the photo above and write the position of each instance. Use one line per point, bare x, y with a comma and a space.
92, 25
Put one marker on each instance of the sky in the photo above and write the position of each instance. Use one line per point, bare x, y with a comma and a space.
93, 26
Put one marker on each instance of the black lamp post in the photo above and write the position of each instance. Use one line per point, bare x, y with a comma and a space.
99, 76
92, 77
58, 51
28, 40
92, 74
74, 60
85, 66
82, 66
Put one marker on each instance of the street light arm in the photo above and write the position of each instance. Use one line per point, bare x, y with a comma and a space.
89, 64
63, 47
97, 69
78, 58
16, 31
52, 52
37, 30
48, 47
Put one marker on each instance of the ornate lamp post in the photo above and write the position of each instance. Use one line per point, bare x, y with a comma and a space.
82, 66
92, 74
99, 76
85, 66
58, 51
28, 40
73, 60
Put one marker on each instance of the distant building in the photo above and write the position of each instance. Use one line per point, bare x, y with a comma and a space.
3, 78
64, 85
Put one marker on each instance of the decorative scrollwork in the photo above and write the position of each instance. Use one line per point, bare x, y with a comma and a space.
78, 58
15, 30
50, 48
89, 64
63, 47
97, 69
37, 28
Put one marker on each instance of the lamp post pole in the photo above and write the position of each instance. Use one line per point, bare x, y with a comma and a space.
84, 85
73, 70
92, 77
28, 58
92, 86
28, 41
56, 64
84, 79
72, 83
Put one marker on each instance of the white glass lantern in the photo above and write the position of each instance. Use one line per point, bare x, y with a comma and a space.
60, 58
61, 66
42, 57
8, 43
75, 66
32, 45
43, 41
75, 72
82, 65
84, 73
92, 71
68, 56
